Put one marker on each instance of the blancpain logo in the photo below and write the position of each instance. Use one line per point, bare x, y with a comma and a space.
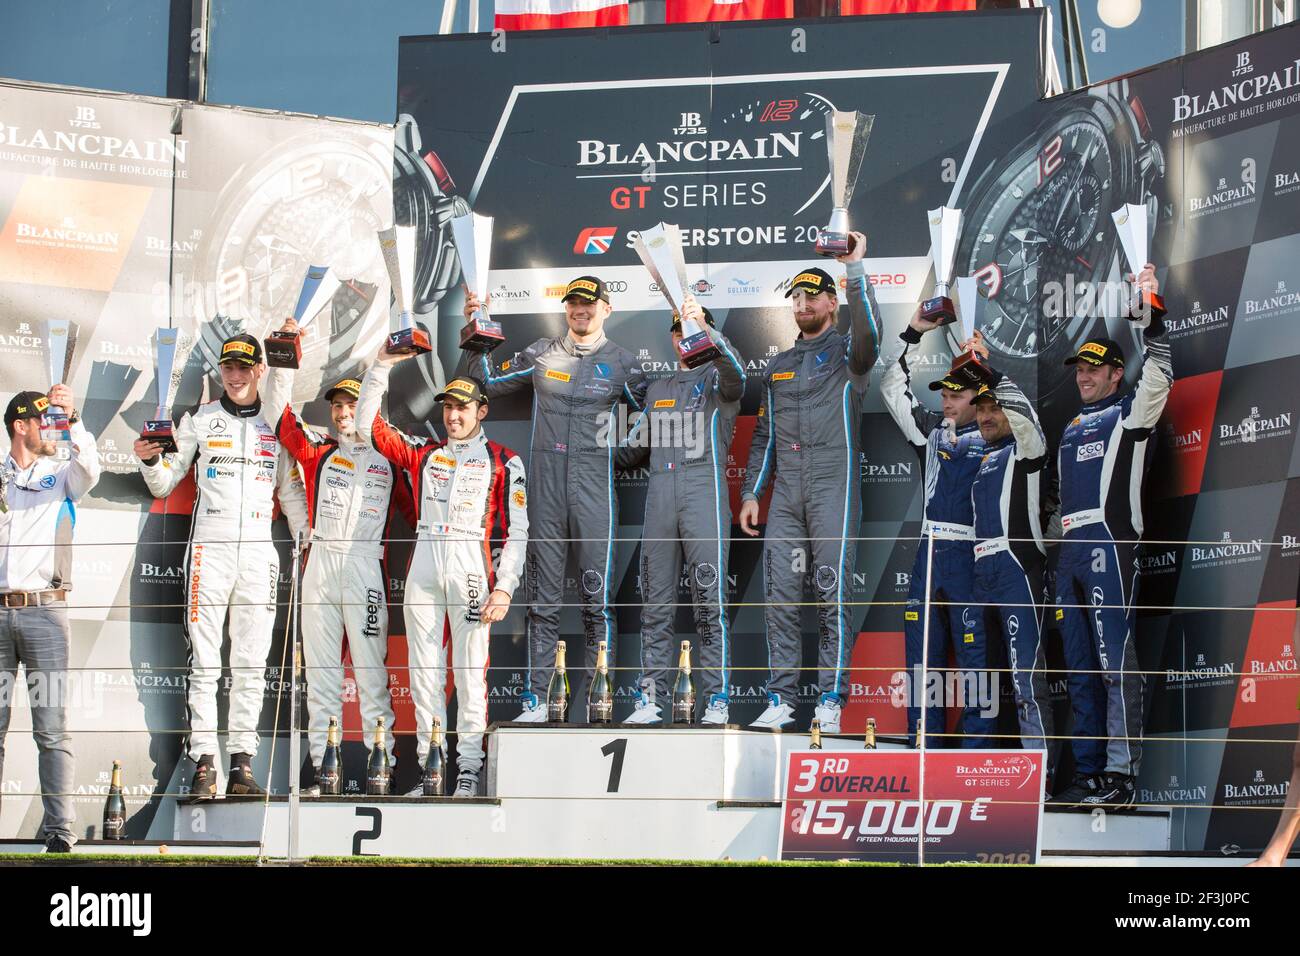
161, 150
118, 350
156, 244
1201, 672
1190, 106
1185, 441
1175, 793
1256, 427
1281, 301
1196, 320
66, 233
1284, 183
502, 294
1257, 789
595, 152
173, 572
1161, 562
1222, 195
1229, 552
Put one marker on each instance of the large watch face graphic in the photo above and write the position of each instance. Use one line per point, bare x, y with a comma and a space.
312, 201
1038, 231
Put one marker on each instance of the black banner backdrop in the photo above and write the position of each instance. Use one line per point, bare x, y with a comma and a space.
575, 140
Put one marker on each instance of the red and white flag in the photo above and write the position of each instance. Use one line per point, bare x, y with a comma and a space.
698, 11
559, 14
853, 8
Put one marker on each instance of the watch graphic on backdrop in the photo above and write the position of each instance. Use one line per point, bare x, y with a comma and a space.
1042, 217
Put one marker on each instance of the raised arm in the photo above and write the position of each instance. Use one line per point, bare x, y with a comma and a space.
393, 443
864, 317
84, 469
913, 419
1025, 428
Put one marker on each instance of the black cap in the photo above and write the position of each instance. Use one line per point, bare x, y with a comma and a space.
463, 390
349, 385
241, 348
25, 405
812, 280
1100, 351
953, 382
586, 288
676, 325
985, 393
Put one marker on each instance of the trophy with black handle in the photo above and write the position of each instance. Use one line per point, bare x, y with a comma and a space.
284, 349
473, 236
660, 251
1132, 223
847, 134
398, 246
170, 349
970, 366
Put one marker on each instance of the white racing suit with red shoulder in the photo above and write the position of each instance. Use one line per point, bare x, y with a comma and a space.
467, 495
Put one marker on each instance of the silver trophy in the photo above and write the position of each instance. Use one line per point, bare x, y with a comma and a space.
397, 243
284, 349
170, 350
945, 230
1132, 224
846, 145
60, 347
969, 366
473, 236
660, 251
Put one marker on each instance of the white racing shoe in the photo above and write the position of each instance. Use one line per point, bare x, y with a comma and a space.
827, 712
645, 712
534, 711
717, 710
777, 715
466, 784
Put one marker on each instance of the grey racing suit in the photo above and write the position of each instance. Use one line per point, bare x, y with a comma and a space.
806, 448
572, 504
684, 434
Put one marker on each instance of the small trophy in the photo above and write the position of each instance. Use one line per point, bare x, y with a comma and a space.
473, 236
660, 251
60, 345
166, 349
846, 144
969, 365
397, 244
284, 349
1131, 223
945, 230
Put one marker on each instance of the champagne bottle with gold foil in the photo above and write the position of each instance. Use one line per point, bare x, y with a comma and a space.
330, 776
557, 692
435, 765
378, 773
871, 733
115, 806
600, 696
684, 688
815, 735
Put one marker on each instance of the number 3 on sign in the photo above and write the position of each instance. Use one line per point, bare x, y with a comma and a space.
807, 776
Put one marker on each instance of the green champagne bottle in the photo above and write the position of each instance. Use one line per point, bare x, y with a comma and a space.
115, 806
330, 776
434, 783
379, 773
600, 696
684, 688
557, 692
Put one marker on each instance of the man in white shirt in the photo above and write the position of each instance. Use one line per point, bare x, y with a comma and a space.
38, 492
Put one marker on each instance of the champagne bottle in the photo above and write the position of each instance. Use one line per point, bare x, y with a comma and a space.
684, 688
557, 692
871, 733
330, 776
434, 765
600, 696
378, 772
115, 806
815, 733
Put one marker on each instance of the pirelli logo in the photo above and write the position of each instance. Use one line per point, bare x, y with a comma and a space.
911, 616
238, 347
444, 460
1094, 348
782, 376
1060, 614
808, 277
342, 462
558, 376
665, 403
582, 284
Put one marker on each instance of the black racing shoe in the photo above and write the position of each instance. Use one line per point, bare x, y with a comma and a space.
240, 782
56, 844
204, 784
1117, 792
1073, 796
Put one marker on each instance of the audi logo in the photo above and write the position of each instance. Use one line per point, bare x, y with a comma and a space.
616, 286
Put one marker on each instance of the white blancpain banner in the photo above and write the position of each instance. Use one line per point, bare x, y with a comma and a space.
897, 280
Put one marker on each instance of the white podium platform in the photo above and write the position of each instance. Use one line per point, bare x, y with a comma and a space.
607, 793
